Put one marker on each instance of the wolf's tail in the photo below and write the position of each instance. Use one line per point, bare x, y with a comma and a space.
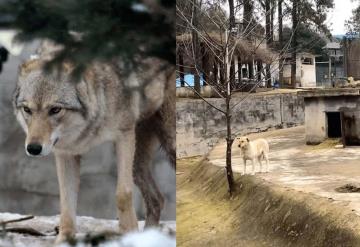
166, 116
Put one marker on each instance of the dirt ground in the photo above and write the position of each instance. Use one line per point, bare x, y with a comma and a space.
204, 221
316, 169
295, 204
258, 214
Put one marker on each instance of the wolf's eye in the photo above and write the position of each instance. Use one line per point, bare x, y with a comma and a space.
27, 110
54, 110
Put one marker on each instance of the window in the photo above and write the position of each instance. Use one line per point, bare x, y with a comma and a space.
307, 60
287, 60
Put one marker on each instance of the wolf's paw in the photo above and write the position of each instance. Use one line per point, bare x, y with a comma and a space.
60, 239
64, 237
130, 226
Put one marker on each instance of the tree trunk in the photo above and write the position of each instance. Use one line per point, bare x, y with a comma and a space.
205, 64
248, 9
222, 73
294, 43
181, 70
232, 74
196, 46
251, 70
272, 21
280, 21
239, 70
232, 15
268, 39
259, 69
247, 22
231, 27
229, 142
215, 73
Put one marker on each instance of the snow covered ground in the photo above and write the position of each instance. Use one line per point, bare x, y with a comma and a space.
45, 225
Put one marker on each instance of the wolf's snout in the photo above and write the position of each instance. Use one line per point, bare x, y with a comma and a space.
34, 148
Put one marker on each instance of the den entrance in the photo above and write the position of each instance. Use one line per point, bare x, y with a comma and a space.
334, 124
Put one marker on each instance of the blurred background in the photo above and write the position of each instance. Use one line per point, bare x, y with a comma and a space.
29, 185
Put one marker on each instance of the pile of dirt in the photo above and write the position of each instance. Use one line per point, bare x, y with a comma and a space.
259, 214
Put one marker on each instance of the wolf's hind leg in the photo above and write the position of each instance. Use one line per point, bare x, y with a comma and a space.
68, 172
125, 150
146, 144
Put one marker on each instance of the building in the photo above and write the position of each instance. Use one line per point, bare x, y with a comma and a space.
332, 113
305, 70
332, 70
334, 50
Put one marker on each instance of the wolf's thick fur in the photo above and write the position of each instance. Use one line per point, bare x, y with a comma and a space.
136, 111
252, 150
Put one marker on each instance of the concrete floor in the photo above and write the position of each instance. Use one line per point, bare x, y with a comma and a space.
312, 169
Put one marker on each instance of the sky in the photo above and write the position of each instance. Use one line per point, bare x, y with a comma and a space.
341, 12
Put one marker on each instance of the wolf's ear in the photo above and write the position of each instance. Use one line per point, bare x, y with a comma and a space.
29, 65
248, 139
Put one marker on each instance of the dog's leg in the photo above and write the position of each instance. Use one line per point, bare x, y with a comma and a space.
244, 166
146, 144
253, 166
267, 162
68, 172
259, 159
125, 149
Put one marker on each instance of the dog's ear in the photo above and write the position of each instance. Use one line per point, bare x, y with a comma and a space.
248, 139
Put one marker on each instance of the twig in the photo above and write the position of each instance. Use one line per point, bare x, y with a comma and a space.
16, 220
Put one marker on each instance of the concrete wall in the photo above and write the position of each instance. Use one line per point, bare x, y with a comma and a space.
199, 126
308, 75
315, 114
29, 185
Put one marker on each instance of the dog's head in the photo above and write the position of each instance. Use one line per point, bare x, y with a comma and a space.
48, 108
242, 142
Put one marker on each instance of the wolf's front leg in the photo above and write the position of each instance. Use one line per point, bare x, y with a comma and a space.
125, 148
68, 172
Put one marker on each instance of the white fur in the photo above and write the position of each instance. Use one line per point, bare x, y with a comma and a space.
254, 150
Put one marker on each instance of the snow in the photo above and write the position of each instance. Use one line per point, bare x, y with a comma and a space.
147, 238
162, 237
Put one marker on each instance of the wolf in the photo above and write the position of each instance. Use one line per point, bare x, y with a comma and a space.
251, 150
134, 110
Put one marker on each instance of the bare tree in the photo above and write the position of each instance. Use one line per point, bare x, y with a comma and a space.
222, 46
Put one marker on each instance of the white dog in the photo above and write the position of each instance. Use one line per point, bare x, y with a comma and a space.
251, 150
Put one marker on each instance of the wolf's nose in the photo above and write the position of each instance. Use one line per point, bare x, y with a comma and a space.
34, 148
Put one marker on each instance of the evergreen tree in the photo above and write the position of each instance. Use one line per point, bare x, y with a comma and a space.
104, 29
